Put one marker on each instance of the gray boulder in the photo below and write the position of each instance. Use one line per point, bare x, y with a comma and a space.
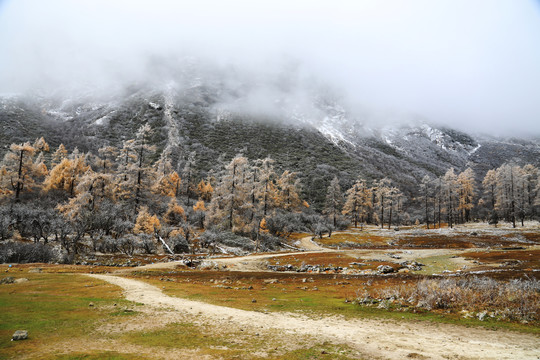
20, 335
7, 280
385, 269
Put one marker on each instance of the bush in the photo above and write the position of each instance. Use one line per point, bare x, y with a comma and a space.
15, 252
282, 224
178, 244
146, 244
342, 223
517, 299
108, 245
127, 244
226, 238
269, 242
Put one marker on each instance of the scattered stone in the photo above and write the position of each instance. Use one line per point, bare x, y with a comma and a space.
482, 315
7, 280
20, 335
385, 269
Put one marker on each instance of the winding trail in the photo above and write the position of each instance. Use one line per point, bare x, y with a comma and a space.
375, 338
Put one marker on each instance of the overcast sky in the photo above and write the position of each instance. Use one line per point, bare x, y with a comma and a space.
473, 64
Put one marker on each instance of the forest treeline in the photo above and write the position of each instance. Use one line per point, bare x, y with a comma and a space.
130, 199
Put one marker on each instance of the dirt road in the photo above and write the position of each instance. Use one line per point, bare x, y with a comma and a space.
375, 339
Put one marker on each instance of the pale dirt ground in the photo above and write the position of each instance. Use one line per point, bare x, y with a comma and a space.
372, 338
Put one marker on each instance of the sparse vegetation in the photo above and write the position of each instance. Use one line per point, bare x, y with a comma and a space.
482, 297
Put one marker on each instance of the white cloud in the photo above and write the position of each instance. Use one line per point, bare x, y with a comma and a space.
472, 64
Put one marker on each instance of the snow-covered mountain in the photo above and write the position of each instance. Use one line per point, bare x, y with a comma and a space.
312, 134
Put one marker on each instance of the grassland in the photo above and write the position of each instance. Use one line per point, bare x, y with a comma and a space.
71, 316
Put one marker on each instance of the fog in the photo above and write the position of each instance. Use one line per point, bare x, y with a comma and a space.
473, 65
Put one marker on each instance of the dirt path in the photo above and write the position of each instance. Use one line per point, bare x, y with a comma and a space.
379, 339
309, 244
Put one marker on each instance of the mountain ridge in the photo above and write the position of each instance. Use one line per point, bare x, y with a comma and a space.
318, 143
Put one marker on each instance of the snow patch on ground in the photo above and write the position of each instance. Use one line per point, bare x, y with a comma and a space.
475, 149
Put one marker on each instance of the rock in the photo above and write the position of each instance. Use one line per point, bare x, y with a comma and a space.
385, 269
482, 315
35, 270
91, 304
7, 280
270, 281
253, 300
21, 280
20, 335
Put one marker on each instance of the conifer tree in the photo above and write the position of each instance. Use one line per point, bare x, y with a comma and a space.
20, 172
425, 192
467, 191
381, 189
334, 200
450, 188
231, 197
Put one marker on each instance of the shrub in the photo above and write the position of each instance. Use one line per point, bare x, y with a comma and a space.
517, 299
178, 244
146, 244
269, 242
16, 252
108, 245
227, 238
127, 244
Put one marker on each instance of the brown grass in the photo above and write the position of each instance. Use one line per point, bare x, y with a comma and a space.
515, 259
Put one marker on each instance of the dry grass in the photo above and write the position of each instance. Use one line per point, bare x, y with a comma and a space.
356, 239
516, 300
516, 259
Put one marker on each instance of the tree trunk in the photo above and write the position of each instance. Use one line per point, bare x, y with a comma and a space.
426, 205
18, 187
390, 219
382, 211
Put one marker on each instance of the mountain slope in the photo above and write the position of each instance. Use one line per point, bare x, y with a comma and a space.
319, 146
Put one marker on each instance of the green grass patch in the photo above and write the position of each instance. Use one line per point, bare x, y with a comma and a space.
52, 308
177, 335
437, 264
322, 351
107, 355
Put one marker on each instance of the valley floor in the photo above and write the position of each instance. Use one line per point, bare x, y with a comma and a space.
288, 305
371, 338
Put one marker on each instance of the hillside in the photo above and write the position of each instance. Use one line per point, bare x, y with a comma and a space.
199, 119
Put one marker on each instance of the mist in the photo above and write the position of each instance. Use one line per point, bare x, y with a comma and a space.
469, 65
